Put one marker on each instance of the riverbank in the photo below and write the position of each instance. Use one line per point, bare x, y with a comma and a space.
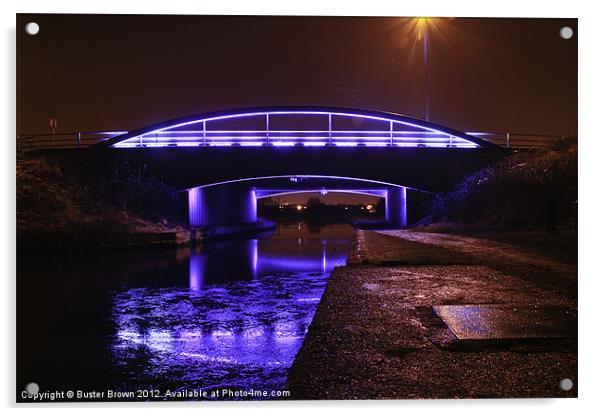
383, 328
64, 207
84, 238
528, 188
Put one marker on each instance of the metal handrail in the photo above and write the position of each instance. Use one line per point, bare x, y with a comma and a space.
83, 139
521, 140
65, 140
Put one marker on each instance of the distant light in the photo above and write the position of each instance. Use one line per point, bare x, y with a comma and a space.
299, 207
369, 207
421, 24
566, 32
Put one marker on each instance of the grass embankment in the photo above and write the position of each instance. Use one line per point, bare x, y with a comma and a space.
529, 188
62, 207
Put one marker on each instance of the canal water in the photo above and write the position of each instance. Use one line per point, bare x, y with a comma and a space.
227, 315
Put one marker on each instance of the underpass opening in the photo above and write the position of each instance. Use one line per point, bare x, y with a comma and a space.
319, 207
234, 202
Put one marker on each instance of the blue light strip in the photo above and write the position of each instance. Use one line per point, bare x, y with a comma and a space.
171, 137
268, 193
297, 178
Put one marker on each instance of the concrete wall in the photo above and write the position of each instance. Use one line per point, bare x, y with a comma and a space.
427, 169
396, 207
221, 205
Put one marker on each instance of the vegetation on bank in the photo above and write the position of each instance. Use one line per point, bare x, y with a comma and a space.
530, 188
60, 206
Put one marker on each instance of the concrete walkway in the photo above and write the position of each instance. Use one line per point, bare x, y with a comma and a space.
411, 247
376, 334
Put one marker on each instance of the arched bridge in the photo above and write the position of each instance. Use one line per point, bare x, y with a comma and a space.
228, 159
273, 141
297, 126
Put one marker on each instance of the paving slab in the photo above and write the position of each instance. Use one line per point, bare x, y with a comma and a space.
508, 322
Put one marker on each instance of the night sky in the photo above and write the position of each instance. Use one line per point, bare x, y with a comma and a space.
108, 72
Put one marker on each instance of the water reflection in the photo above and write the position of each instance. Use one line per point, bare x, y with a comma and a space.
240, 320
220, 262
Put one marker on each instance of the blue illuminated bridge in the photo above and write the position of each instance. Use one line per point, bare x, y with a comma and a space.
297, 126
227, 160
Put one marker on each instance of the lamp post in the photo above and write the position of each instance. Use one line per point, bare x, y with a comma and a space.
422, 26
426, 73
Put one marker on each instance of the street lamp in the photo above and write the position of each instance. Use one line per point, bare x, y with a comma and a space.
422, 29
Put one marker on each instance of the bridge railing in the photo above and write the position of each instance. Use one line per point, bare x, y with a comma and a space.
349, 138
79, 140
70, 140
520, 140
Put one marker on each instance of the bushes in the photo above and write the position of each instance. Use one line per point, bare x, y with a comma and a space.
524, 189
136, 191
61, 205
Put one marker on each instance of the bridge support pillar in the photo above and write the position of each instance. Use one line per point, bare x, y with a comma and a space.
221, 205
396, 207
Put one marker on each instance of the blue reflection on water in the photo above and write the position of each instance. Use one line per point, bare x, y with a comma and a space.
240, 321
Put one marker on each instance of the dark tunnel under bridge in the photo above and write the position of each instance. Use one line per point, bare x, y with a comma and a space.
235, 202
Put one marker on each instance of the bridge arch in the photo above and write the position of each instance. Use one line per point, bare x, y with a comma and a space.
323, 190
313, 126
234, 202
